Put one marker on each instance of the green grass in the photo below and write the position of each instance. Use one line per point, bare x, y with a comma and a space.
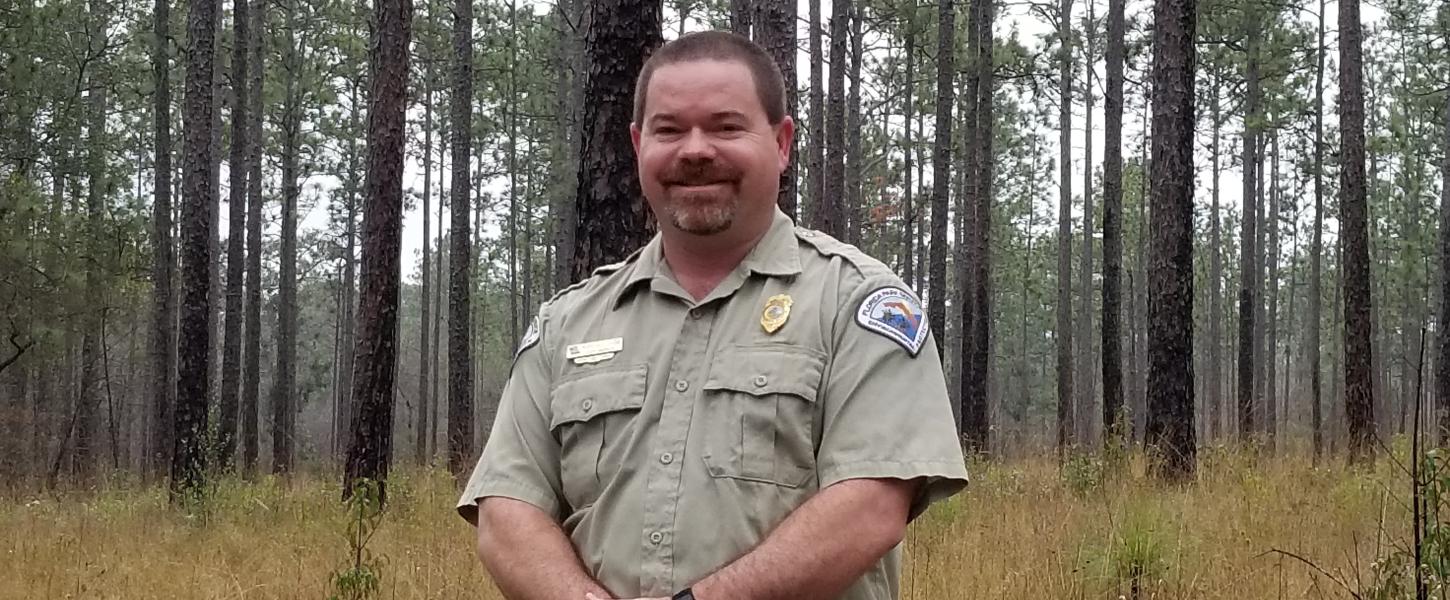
1027, 530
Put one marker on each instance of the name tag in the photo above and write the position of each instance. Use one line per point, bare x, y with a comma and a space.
592, 352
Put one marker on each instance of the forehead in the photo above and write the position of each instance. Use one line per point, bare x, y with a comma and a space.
708, 85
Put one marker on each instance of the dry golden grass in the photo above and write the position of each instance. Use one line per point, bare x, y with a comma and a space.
1023, 530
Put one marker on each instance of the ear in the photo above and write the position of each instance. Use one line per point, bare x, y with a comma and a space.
784, 139
634, 137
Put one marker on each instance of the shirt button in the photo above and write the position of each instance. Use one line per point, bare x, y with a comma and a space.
682, 385
656, 537
667, 458
695, 314
760, 381
588, 404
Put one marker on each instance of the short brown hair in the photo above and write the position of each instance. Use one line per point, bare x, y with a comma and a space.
720, 46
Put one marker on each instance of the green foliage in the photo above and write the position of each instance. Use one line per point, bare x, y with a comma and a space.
1083, 474
361, 578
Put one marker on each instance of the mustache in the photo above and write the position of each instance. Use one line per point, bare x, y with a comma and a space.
699, 173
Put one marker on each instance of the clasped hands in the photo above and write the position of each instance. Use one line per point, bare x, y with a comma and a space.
591, 596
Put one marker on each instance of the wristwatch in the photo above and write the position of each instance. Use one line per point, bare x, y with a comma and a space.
684, 594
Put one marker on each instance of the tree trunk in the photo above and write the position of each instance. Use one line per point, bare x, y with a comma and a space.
741, 12
1248, 267
976, 414
511, 113
853, 204
377, 351
89, 400
1271, 348
908, 211
1359, 394
188, 464
1170, 307
1113, 227
1442, 354
817, 124
832, 210
425, 345
163, 304
460, 365
284, 408
941, 170
621, 37
1214, 381
775, 30
1066, 418
252, 352
564, 153
236, 232
1086, 356
348, 321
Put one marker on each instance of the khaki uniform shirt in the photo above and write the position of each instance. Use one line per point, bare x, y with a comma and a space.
681, 439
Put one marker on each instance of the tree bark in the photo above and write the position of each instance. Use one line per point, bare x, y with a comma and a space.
236, 232
568, 22
775, 30
460, 364
741, 13
252, 352
623, 34
941, 169
976, 414
1359, 393
284, 409
163, 303
425, 344
832, 209
1066, 417
1248, 267
817, 128
1442, 364
1170, 307
1113, 227
908, 212
511, 113
188, 464
853, 203
1271, 348
1086, 356
1215, 273
88, 402
371, 450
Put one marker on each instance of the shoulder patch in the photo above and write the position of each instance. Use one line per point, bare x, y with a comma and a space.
530, 338
895, 314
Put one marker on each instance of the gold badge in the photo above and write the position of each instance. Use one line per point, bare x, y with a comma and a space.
777, 310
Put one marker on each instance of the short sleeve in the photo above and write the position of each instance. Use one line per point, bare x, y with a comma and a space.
521, 458
887, 412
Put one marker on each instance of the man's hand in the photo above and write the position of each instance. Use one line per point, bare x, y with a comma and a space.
821, 548
528, 555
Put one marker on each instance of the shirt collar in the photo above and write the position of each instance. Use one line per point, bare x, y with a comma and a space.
774, 255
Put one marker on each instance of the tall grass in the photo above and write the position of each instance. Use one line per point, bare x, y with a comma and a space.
1029, 530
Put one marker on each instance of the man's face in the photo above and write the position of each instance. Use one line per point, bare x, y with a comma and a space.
707, 152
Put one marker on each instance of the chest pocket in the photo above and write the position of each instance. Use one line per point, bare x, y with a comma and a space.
594, 417
763, 399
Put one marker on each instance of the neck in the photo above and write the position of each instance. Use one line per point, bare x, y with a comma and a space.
701, 262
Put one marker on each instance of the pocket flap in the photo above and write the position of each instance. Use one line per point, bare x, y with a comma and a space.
596, 393
767, 369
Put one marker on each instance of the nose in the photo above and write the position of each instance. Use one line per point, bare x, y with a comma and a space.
696, 145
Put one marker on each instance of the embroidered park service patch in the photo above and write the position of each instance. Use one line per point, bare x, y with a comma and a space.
896, 314
530, 338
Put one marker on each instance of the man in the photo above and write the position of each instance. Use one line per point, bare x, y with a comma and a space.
742, 410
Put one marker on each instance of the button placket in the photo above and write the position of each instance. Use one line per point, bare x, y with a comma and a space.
687, 363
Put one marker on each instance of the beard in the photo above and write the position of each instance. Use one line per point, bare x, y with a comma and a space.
701, 210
